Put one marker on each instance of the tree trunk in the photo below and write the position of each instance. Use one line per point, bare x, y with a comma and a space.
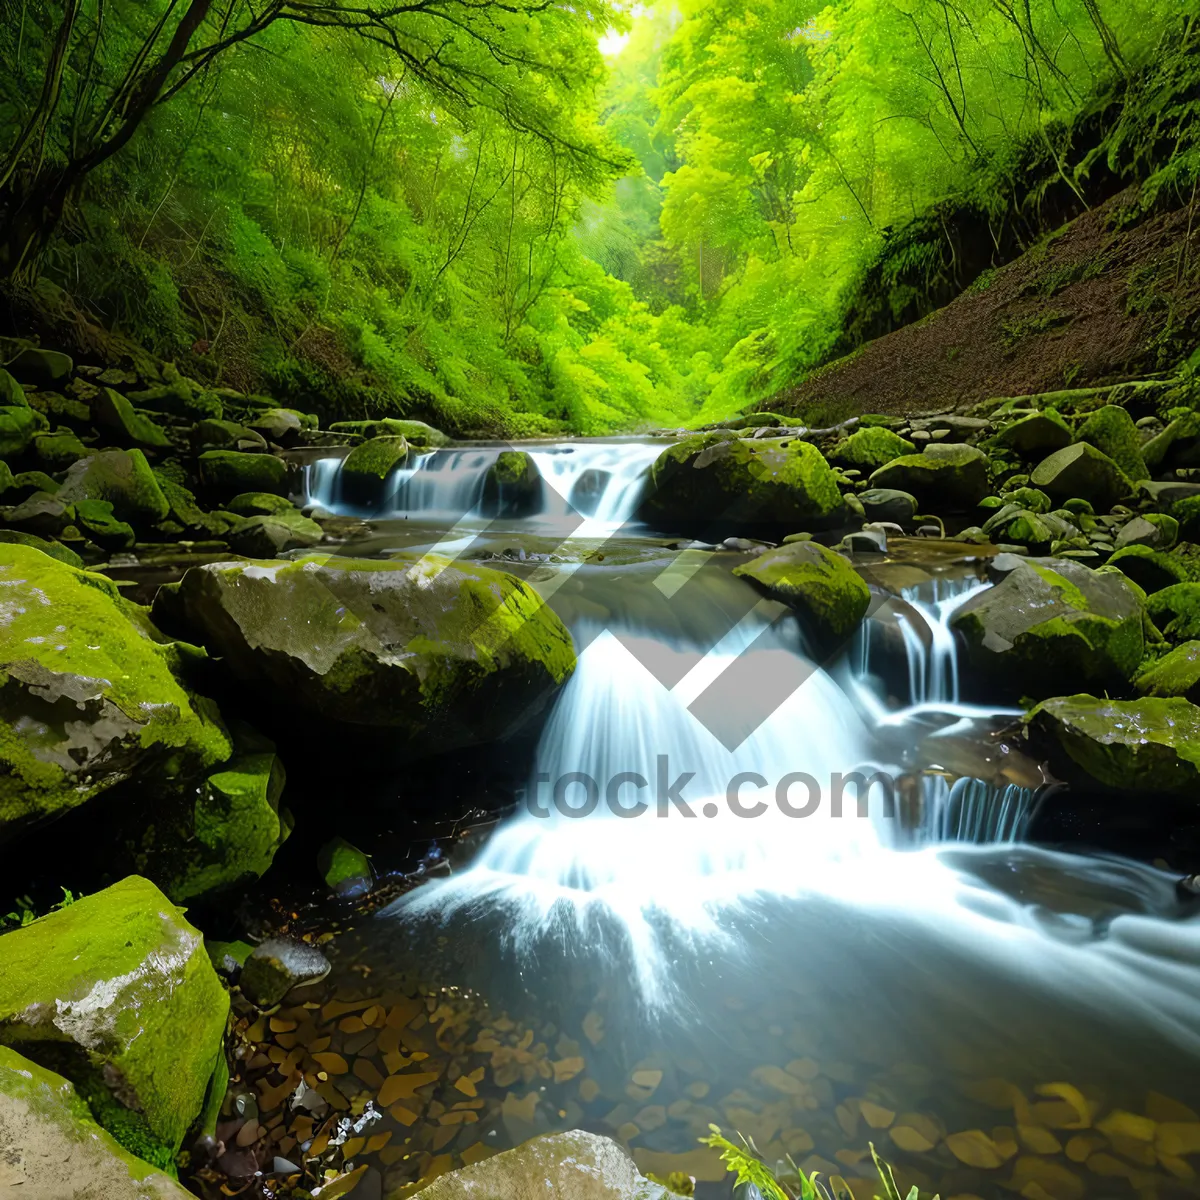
29, 217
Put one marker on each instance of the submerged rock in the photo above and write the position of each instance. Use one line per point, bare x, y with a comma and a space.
448, 653
818, 582
944, 476
719, 479
52, 1149
567, 1166
278, 965
1082, 471
119, 986
1148, 745
1050, 620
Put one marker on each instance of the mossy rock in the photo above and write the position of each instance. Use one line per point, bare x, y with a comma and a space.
1050, 620
440, 654
95, 518
259, 504
1147, 745
367, 466
1085, 472
18, 427
1177, 446
943, 477
29, 483
1177, 673
213, 434
283, 426
755, 420
116, 991
124, 479
416, 433
1150, 569
56, 550
1112, 431
52, 1148
513, 485
1175, 610
42, 368
1033, 436
186, 512
870, 448
888, 504
41, 514
265, 537
89, 697
817, 582
1030, 499
717, 481
345, 868
179, 396
12, 394
57, 451
111, 411
1187, 512
1156, 530
228, 473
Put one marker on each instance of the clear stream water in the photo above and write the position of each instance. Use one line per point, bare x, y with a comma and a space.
923, 932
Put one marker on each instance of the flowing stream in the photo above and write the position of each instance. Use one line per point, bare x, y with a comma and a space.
917, 927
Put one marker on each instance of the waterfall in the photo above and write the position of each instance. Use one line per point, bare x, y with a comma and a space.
588, 488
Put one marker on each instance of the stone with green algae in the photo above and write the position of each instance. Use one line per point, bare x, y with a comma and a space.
123, 478
416, 433
1033, 435
1029, 498
817, 581
513, 484
1177, 673
1082, 471
1055, 619
442, 653
96, 520
54, 549
870, 448
12, 394
718, 479
111, 411
943, 477
89, 695
345, 868
1146, 745
18, 427
366, 467
265, 537
185, 510
52, 1149
1152, 570
229, 473
57, 451
116, 991
1175, 610
259, 504
1112, 431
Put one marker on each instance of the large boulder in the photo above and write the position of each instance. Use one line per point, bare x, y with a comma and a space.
818, 582
944, 476
1054, 619
52, 1149
416, 433
568, 1166
89, 697
228, 473
1112, 431
111, 411
124, 479
513, 485
1152, 570
116, 991
1082, 471
720, 480
1147, 745
1034, 435
445, 653
368, 465
265, 537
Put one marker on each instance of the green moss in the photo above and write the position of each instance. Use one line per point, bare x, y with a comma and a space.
228, 473
374, 460
95, 518
1030, 499
1112, 431
112, 411
416, 433
815, 580
1176, 611
18, 425
124, 479
1167, 526
58, 450
1184, 430
259, 504
343, 866
122, 978
1082, 471
1152, 570
513, 468
1187, 513
954, 476
1034, 435
1177, 673
1028, 529
12, 394
53, 549
870, 448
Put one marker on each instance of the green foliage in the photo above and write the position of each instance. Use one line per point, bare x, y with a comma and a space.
26, 912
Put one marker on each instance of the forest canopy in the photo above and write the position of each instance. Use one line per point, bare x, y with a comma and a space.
520, 217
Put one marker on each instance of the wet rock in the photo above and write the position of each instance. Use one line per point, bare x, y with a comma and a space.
111, 411
1082, 470
178, 395
955, 476
888, 504
870, 449
757, 420
1112, 431
1147, 745
278, 965
345, 869
573, 1166
1156, 530
1050, 620
52, 1149
121, 979
265, 537
1034, 436
368, 465
1175, 611
228, 473
513, 487
41, 514
1151, 570
716, 479
818, 582
42, 368
89, 696
442, 653
124, 479
1178, 445
95, 518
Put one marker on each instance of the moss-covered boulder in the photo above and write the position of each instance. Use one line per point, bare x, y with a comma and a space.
416, 433
1152, 570
57, 451
88, 697
265, 537
1159, 531
1177, 446
228, 473
56, 550
52, 1149
869, 449
717, 480
214, 434
28, 484
96, 520
445, 654
42, 368
259, 504
41, 514
1175, 611
1050, 620
513, 485
1147, 745
1031, 499
178, 395
367, 466
1082, 471
1177, 673
18, 426
943, 477
345, 868
124, 479
283, 426
1112, 431
1033, 436
818, 582
888, 504
117, 992
111, 411
12, 394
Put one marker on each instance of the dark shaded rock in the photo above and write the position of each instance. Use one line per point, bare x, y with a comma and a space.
42, 368
283, 426
1082, 470
259, 504
228, 473
278, 965
1151, 570
954, 477
345, 869
95, 518
227, 435
124, 479
888, 504
111, 411
513, 487
18, 426
12, 394
58, 450
1034, 436
265, 537
1175, 611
